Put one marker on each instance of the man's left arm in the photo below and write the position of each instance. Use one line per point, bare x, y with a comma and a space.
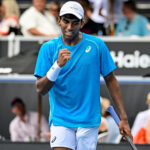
114, 90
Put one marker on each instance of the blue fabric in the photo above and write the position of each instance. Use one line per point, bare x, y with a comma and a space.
74, 97
138, 26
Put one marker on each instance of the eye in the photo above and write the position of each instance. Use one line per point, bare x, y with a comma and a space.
65, 21
76, 22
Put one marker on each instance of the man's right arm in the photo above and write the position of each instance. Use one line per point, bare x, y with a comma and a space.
44, 84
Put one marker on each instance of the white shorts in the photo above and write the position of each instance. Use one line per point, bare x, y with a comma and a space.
74, 138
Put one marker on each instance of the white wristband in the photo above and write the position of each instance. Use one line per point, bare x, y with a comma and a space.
53, 72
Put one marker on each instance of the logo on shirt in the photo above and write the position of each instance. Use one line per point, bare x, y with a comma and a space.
53, 140
88, 49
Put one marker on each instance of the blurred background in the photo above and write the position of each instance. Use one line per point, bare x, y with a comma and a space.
123, 25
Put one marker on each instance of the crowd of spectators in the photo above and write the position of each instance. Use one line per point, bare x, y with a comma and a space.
102, 17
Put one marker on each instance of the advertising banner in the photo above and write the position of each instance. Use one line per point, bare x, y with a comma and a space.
131, 58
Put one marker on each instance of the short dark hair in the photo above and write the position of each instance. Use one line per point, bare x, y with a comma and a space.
130, 4
16, 101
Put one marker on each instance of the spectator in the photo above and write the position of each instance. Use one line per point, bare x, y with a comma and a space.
12, 8
24, 127
132, 24
37, 22
90, 27
108, 124
54, 8
139, 129
6, 23
115, 10
111, 11
97, 18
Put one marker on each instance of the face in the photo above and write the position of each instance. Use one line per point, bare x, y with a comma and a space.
18, 109
2, 11
70, 27
39, 5
54, 10
126, 11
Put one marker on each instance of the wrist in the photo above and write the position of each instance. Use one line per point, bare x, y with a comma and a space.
53, 72
59, 64
124, 118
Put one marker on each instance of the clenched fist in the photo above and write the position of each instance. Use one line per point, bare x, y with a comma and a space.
63, 57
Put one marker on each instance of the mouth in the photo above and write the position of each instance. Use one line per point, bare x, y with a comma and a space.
68, 33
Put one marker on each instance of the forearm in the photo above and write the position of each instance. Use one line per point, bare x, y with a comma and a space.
115, 93
43, 85
36, 32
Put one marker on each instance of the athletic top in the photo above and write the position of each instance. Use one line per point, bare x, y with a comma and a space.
74, 97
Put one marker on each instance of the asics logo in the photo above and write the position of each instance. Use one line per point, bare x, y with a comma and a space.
54, 139
88, 49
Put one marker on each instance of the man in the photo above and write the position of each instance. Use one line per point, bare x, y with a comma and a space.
54, 8
132, 24
24, 126
100, 5
38, 22
69, 67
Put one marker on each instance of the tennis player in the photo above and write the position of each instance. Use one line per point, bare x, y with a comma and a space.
69, 68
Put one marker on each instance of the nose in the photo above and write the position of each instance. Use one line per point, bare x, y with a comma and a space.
69, 26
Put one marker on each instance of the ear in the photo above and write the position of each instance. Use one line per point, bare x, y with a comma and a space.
59, 19
82, 24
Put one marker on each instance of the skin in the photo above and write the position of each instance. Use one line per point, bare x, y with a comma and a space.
129, 13
115, 93
2, 12
148, 132
71, 36
39, 5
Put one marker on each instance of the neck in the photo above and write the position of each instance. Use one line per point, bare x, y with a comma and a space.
74, 41
41, 11
22, 117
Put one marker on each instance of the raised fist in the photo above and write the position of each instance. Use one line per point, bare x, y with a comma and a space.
63, 57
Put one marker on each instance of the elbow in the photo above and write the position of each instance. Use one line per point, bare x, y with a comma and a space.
39, 89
